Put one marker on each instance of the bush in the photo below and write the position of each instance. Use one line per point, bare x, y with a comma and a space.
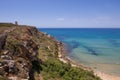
53, 69
6, 24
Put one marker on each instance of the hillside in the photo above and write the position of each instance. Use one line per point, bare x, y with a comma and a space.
28, 54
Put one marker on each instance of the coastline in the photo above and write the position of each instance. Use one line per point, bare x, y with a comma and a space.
66, 59
105, 76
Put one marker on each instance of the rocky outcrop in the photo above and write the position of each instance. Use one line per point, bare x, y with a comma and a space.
18, 53
25, 53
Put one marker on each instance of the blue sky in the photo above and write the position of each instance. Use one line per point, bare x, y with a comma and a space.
62, 13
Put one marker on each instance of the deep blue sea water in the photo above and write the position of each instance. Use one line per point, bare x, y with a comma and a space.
98, 48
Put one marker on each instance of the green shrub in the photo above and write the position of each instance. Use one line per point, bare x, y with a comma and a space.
6, 24
53, 69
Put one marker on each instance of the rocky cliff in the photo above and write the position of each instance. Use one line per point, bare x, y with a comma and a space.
19, 48
2, 40
28, 54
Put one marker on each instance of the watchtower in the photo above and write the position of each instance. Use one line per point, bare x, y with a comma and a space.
16, 23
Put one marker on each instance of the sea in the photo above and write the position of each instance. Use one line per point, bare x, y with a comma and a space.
97, 48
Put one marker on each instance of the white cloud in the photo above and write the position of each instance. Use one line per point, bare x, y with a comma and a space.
82, 22
60, 19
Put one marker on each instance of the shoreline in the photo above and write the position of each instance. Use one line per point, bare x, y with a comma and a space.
66, 59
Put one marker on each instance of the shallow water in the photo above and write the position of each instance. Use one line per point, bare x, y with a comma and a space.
96, 48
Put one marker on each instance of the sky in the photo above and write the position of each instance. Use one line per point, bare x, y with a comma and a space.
62, 13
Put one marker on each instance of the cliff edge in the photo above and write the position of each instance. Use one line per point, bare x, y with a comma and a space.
28, 54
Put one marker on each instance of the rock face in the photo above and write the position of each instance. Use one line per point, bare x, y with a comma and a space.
18, 53
2, 40
27, 54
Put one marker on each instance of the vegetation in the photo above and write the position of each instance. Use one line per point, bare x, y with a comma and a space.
3, 78
53, 69
36, 56
6, 24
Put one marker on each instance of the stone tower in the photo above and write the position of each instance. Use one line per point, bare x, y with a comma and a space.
16, 23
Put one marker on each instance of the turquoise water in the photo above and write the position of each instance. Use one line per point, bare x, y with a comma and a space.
93, 47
